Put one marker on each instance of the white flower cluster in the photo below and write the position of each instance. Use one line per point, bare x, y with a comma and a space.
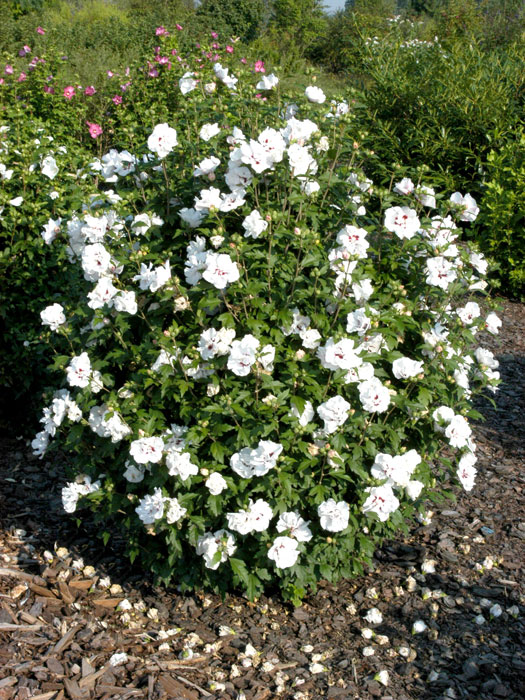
74, 490
257, 462
115, 164
108, 424
459, 434
154, 506
62, 406
397, 471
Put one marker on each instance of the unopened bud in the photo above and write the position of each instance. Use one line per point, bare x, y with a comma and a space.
313, 450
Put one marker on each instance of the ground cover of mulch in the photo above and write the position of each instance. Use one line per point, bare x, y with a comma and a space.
77, 621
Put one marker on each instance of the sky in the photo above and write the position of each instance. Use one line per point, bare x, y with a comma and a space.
333, 5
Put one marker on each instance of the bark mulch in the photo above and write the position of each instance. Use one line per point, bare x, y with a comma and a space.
77, 621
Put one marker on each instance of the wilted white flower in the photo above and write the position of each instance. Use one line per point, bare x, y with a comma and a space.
374, 616
418, 627
496, 610
428, 566
118, 659
382, 677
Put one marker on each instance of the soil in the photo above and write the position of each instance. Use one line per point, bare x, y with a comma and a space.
78, 621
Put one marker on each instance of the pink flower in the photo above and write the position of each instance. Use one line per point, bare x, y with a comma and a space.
90, 90
110, 73
8, 69
117, 99
259, 67
243, 60
178, 27
229, 49
69, 91
126, 72
161, 31
2, 81
39, 30
22, 77
24, 50
94, 129
153, 73
173, 52
214, 35
50, 90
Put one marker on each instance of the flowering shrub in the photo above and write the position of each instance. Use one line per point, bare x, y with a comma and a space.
266, 360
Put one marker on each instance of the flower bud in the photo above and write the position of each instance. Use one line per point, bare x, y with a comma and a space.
313, 450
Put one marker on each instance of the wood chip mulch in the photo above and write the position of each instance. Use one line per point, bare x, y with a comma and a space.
78, 622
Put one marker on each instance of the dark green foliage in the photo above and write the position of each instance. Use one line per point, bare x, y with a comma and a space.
442, 108
230, 18
501, 225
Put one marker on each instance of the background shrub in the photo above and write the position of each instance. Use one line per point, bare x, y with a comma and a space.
501, 228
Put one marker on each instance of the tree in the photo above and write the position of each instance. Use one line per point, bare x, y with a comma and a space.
233, 18
299, 21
